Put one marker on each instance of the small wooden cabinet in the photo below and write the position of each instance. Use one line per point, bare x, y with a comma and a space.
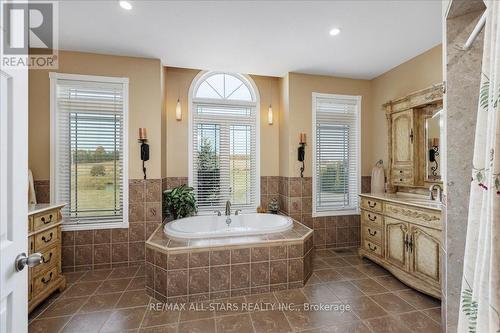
44, 225
404, 239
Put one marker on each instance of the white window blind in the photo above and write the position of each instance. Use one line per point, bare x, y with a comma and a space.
89, 164
223, 161
336, 151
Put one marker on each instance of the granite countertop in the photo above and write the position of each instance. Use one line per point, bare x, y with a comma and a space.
39, 208
410, 199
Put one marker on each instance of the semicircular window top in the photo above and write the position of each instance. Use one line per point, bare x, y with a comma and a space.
223, 86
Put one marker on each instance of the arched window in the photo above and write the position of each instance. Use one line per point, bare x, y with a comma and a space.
224, 141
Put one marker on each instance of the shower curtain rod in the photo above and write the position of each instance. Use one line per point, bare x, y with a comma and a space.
477, 29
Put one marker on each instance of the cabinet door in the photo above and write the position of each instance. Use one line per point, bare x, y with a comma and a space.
395, 247
402, 139
424, 253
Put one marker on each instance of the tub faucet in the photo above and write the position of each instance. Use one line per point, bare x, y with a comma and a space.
439, 192
228, 213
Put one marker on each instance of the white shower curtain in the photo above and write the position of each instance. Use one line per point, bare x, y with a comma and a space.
480, 296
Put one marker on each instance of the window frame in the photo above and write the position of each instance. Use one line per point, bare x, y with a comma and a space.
255, 103
358, 99
54, 158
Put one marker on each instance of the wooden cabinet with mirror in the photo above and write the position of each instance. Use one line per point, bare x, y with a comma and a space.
414, 124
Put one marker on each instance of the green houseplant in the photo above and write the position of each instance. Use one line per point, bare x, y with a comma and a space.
179, 202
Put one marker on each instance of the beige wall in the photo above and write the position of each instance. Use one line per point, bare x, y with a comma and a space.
144, 106
301, 87
417, 73
178, 82
153, 96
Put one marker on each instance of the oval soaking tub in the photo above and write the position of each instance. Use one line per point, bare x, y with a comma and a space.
216, 226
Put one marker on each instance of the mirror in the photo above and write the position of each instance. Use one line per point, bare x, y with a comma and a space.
433, 126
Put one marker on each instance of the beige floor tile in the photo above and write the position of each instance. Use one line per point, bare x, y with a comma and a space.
336, 262
434, 314
302, 320
418, 322
354, 327
113, 286
99, 275
132, 299
344, 289
231, 306
418, 300
295, 296
351, 273
100, 302
124, 319
319, 293
197, 311
392, 303
270, 322
369, 286
240, 323
48, 325
160, 329
391, 283
87, 322
198, 326
364, 307
123, 272
386, 325
81, 289
160, 317
329, 274
64, 307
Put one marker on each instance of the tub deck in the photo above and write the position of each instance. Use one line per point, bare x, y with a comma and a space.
212, 268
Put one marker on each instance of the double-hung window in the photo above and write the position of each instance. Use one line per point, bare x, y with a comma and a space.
336, 154
89, 133
223, 148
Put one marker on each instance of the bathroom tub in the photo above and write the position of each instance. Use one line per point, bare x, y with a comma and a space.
215, 226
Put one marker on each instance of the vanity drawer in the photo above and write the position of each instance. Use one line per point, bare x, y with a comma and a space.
372, 218
371, 204
372, 247
372, 234
45, 220
50, 259
43, 281
46, 239
420, 216
402, 176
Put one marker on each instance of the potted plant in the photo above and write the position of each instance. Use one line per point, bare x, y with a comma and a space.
179, 202
273, 206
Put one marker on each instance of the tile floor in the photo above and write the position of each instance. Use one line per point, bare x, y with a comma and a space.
115, 301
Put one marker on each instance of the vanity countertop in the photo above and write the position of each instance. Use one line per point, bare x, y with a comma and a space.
40, 208
407, 199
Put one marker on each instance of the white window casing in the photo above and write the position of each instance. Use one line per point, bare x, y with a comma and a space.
336, 154
89, 150
224, 145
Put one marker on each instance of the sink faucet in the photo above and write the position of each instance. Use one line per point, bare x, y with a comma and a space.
228, 213
439, 192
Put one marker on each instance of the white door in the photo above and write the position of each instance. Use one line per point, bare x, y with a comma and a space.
13, 197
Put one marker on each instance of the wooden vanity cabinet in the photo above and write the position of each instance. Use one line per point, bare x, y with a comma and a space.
44, 225
405, 240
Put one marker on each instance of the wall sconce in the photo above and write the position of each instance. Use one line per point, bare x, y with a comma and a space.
270, 115
178, 111
301, 152
143, 138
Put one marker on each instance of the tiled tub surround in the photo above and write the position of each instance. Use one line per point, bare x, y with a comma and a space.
107, 248
295, 199
202, 269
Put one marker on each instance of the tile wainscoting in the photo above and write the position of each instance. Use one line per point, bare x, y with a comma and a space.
85, 250
295, 198
107, 248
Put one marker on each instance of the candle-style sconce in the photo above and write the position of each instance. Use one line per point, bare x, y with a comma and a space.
301, 152
143, 139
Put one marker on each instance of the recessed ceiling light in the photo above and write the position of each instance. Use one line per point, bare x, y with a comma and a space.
334, 32
126, 5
